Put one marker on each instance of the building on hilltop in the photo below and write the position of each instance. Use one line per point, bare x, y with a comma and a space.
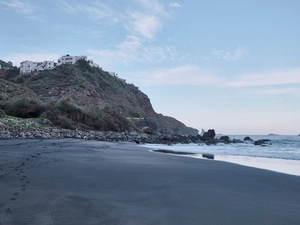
29, 66
67, 59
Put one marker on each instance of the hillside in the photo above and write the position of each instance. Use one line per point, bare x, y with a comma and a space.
81, 96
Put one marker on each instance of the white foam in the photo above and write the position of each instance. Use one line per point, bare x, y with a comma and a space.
279, 165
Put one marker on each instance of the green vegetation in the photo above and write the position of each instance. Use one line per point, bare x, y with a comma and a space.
2, 113
4, 64
24, 108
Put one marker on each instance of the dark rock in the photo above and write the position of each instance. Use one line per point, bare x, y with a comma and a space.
147, 130
262, 142
208, 156
247, 139
224, 138
174, 152
211, 142
209, 135
236, 141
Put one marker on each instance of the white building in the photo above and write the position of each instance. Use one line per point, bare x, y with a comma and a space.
46, 65
67, 59
29, 66
0, 66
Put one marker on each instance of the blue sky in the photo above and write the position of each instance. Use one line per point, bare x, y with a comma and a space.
229, 65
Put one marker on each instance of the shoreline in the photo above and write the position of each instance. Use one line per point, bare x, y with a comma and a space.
71, 181
285, 166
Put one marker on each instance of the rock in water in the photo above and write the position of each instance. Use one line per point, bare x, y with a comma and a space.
262, 142
209, 135
247, 139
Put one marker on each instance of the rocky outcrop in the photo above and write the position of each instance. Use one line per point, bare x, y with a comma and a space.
43, 129
262, 142
248, 139
209, 135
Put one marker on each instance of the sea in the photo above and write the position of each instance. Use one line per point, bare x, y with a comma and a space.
281, 154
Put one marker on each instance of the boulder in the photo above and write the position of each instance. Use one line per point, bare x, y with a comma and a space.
224, 138
208, 156
209, 135
262, 142
247, 139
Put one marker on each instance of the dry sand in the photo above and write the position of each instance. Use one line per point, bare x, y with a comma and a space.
88, 182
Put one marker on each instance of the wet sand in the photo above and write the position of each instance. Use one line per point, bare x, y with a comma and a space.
88, 182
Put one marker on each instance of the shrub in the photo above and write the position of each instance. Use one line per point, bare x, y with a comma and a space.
25, 108
2, 113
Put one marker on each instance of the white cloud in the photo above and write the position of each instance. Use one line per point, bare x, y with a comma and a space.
275, 91
182, 75
66, 7
133, 50
175, 4
25, 8
96, 10
267, 83
235, 55
146, 25
276, 77
152, 6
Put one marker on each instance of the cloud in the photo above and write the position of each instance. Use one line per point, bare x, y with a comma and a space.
182, 75
235, 55
152, 6
66, 7
276, 77
133, 50
275, 91
96, 10
266, 83
175, 4
146, 25
25, 8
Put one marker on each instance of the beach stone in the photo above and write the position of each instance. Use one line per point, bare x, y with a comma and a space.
208, 156
262, 142
247, 139
224, 138
209, 135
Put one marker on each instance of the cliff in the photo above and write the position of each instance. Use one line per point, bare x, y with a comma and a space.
87, 97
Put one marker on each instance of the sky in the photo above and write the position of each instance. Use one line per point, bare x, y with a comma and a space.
228, 65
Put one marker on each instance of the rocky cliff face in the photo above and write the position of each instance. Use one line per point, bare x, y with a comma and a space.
89, 87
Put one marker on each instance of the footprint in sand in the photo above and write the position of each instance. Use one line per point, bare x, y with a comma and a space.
13, 199
16, 193
8, 210
23, 189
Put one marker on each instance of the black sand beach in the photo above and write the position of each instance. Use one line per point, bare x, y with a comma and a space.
88, 182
